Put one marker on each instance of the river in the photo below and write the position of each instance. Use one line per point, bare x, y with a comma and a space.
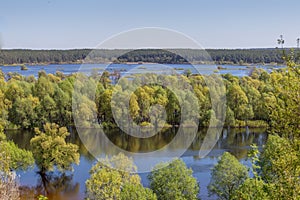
72, 184
137, 68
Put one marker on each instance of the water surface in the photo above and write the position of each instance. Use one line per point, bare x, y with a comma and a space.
72, 185
138, 68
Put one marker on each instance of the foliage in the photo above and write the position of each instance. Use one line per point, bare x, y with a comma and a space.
173, 181
28, 102
109, 176
252, 188
41, 197
277, 169
50, 149
284, 110
11, 158
136, 192
227, 176
280, 166
18, 158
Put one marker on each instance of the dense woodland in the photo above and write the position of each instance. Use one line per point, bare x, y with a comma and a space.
28, 102
45, 104
220, 56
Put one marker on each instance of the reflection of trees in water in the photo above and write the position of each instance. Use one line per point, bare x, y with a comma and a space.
58, 186
20, 137
238, 141
75, 139
235, 140
134, 144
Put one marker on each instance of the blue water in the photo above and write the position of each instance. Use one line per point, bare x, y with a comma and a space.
235, 141
134, 68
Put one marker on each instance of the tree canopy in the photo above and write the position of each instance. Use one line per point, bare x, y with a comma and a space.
112, 179
174, 181
227, 176
50, 149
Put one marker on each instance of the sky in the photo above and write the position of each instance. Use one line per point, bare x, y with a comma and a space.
67, 24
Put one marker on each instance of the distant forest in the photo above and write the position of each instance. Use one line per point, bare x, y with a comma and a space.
175, 56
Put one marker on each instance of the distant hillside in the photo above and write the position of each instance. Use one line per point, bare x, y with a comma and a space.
220, 56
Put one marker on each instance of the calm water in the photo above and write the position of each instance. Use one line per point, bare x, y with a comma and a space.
72, 185
135, 68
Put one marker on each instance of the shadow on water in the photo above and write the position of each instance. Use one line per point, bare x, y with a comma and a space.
71, 185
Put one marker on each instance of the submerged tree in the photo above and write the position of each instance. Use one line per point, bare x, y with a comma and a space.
112, 179
174, 181
51, 150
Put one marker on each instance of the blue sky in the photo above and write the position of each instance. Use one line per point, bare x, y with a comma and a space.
65, 24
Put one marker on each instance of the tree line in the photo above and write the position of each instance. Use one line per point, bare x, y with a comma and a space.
175, 56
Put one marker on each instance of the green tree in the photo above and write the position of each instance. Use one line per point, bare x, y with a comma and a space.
5, 105
50, 149
227, 176
251, 189
187, 72
136, 192
284, 112
63, 112
173, 181
43, 86
104, 107
18, 158
238, 102
254, 188
47, 110
280, 166
24, 112
11, 158
109, 176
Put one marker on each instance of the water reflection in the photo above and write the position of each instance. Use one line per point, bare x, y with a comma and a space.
72, 185
234, 140
54, 186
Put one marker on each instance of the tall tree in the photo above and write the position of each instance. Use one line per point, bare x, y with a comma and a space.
280, 41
